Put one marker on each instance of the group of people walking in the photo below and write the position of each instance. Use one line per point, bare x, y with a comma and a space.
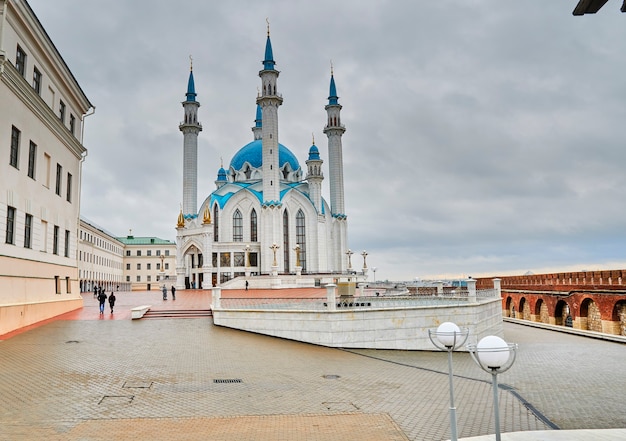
102, 297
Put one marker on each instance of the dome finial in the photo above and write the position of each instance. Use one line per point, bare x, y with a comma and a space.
267, 20
190, 63
313, 136
331, 68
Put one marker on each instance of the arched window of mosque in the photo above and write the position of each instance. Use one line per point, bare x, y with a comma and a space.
253, 226
216, 222
248, 172
286, 239
301, 237
264, 89
237, 226
285, 172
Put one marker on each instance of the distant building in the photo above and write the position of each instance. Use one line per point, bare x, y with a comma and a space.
100, 259
149, 262
42, 108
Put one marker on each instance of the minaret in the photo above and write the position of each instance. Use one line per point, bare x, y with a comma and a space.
258, 123
269, 100
315, 177
334, 130
190, 128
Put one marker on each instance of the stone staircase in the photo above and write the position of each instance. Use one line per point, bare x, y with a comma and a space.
178, 313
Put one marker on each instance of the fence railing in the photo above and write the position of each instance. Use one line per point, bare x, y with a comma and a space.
369, 302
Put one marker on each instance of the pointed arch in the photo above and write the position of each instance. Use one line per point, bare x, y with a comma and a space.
216, 223
237, 226
301, 237
286, 239
253, 226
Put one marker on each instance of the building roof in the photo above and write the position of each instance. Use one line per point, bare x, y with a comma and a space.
132, 240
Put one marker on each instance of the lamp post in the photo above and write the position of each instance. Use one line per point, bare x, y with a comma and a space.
448, 337
494, 356
374, 270
364, 254
349, 253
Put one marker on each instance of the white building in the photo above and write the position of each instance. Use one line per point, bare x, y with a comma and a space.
100, 259
42, 109
149, 262
267, 215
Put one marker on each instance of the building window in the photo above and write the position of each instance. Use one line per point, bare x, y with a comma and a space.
28, 228
237, 226
158, 266
62, 111
128, 253
149, 253
57, 284
10, 233
15, 147
253, 226
149, 278
72, 124
59, 179
37, 81
32, 159
139, 266
301, 237
20, 61
167, 266
67, 243
216, 229
167, 252
253, 258
138, 278
55, 240
128, 278
69, 187
158, 252
224, 259
239, 258
128, 266
68, 285
286, 239
138, 252
148, 266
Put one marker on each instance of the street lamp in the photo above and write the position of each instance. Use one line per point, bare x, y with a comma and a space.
494, 356
448, 337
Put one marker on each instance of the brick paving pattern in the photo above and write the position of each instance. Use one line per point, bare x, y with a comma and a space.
85, 376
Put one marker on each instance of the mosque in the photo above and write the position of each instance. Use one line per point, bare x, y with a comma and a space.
267, 215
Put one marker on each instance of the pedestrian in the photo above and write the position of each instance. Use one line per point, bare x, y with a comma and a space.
95, 292
112, 301
246, 285
101, 299
164, 293
173, 292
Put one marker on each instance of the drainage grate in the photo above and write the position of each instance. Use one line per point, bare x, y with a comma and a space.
331, 377
227, 380
137, 385
72, 341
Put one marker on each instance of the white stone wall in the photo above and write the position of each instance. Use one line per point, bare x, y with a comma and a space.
390, 328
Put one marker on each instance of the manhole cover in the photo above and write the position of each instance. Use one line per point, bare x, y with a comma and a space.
331, 376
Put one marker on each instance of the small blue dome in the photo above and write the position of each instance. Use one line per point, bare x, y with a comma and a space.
314, 153
253, 154
221, 174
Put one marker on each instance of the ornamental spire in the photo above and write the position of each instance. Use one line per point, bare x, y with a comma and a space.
332, 96
191, 87
268, 62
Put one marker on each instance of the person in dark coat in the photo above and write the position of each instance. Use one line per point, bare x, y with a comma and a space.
173, 292
164, 293
101, 299
112, 301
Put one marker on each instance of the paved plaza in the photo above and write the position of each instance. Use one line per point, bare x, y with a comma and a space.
84, 376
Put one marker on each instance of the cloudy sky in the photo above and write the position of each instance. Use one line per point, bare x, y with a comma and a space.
483, 137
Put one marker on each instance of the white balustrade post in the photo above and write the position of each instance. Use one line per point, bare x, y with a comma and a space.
331, 299
471, 290
217, 296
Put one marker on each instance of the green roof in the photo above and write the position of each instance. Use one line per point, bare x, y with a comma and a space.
132, 240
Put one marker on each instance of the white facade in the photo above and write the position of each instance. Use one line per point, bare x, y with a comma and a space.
42, 108
149, 263
264, 217
100, 259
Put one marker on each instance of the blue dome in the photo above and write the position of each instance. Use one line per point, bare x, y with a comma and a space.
221, 174
314, 153
253, 153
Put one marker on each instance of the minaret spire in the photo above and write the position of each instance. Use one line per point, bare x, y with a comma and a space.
190, 128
